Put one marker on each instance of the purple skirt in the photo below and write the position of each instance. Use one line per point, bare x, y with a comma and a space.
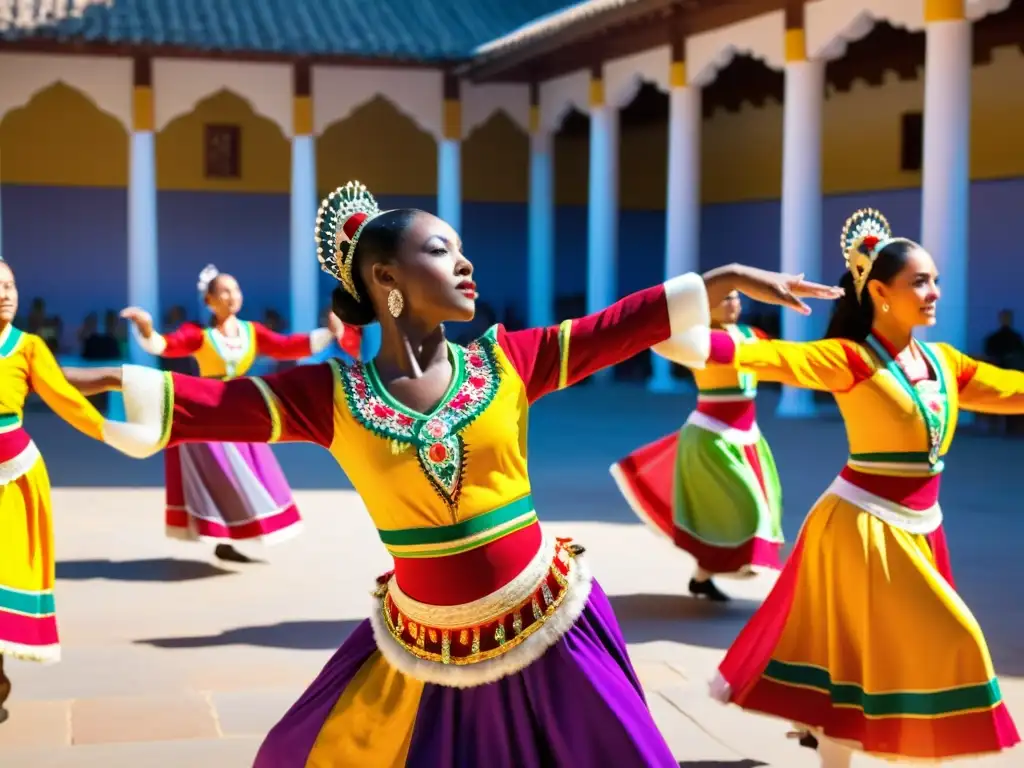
580, 703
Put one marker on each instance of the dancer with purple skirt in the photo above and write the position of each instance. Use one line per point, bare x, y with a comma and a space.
228, 492
489, 643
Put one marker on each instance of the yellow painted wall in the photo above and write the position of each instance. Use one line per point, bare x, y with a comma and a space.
496, 162
377, 144
61, 138
265, 152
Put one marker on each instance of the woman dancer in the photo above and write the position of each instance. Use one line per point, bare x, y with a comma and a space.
28, 623
713, 487
488, 644
237, 491
863, 640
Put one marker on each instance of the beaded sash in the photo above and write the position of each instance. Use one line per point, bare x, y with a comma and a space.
478, 642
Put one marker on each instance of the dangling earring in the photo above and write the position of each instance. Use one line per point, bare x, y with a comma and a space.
396, 302
885, 307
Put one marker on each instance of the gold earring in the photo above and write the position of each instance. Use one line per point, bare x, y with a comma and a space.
396, 302
885, 307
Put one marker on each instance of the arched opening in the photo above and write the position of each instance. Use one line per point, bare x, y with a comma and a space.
64, 171
224, 183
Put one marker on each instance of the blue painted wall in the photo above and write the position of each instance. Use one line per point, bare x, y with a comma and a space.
69, 245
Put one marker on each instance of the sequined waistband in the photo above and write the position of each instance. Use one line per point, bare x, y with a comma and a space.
487, 628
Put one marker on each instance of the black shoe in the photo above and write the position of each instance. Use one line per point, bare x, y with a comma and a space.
230, 554
804, 739
709, 590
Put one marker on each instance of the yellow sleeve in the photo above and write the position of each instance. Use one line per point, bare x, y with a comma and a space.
983, 387
48, 381
830, 365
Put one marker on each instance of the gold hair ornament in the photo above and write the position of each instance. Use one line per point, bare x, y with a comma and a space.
864, 236
341, 219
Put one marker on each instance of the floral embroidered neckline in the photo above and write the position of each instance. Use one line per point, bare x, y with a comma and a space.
436, 435
231, 349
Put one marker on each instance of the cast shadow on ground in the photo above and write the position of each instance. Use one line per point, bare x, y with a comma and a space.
295, 635
154, 569
744, 763
681, 619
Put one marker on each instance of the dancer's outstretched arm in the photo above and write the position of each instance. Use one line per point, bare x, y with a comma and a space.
164, 408
183, 342
673, 315
983, 387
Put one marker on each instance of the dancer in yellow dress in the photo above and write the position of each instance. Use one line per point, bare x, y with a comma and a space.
863, 641
28, 623
489, 643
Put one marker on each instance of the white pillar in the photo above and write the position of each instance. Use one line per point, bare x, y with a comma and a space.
143, 261
682, 205
303, 269
945, 189
603, 206
801, 197
449, 182
449, 158
541, 257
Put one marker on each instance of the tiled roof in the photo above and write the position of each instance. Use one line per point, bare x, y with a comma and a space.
548, 25
429, 30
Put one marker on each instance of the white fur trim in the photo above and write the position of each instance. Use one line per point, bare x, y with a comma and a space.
144, 403
17, 466
320, 339
689, 319
719, 688
45, 654
490, 670
634, 503
154, 345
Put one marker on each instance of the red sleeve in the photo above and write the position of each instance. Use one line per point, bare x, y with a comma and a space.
183, 342
294, 406
293, 346
549, 359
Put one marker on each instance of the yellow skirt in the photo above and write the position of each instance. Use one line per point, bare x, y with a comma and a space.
28, 624
863, 639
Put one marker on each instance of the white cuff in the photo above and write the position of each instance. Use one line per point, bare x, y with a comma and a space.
154, 345
689, 318
145, 408
320, 339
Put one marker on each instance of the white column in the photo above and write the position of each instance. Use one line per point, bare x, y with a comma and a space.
303, 269
945, 189
682, 205
449, 158
603, 206
449, 182
143, 263
541, 256
801, 197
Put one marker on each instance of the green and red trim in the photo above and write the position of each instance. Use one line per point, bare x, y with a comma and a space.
28, 624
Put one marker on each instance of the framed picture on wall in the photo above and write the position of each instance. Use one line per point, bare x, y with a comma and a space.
223, 151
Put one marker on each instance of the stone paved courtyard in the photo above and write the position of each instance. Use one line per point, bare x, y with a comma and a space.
172, 660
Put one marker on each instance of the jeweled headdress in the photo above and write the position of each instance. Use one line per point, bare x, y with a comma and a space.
864, 236
340, 221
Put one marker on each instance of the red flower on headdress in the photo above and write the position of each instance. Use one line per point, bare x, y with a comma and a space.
869, 242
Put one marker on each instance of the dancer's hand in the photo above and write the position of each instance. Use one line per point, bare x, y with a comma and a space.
142, 320
766, 286
336, 326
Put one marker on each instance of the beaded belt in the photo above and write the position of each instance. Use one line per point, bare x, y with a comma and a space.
478, 642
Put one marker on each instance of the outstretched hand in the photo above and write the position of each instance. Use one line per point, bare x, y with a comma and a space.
768, 287
142, 320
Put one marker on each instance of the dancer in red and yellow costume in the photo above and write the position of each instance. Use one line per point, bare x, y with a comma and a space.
236, 491
28, 620
864, 641
489, 643
713, 487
